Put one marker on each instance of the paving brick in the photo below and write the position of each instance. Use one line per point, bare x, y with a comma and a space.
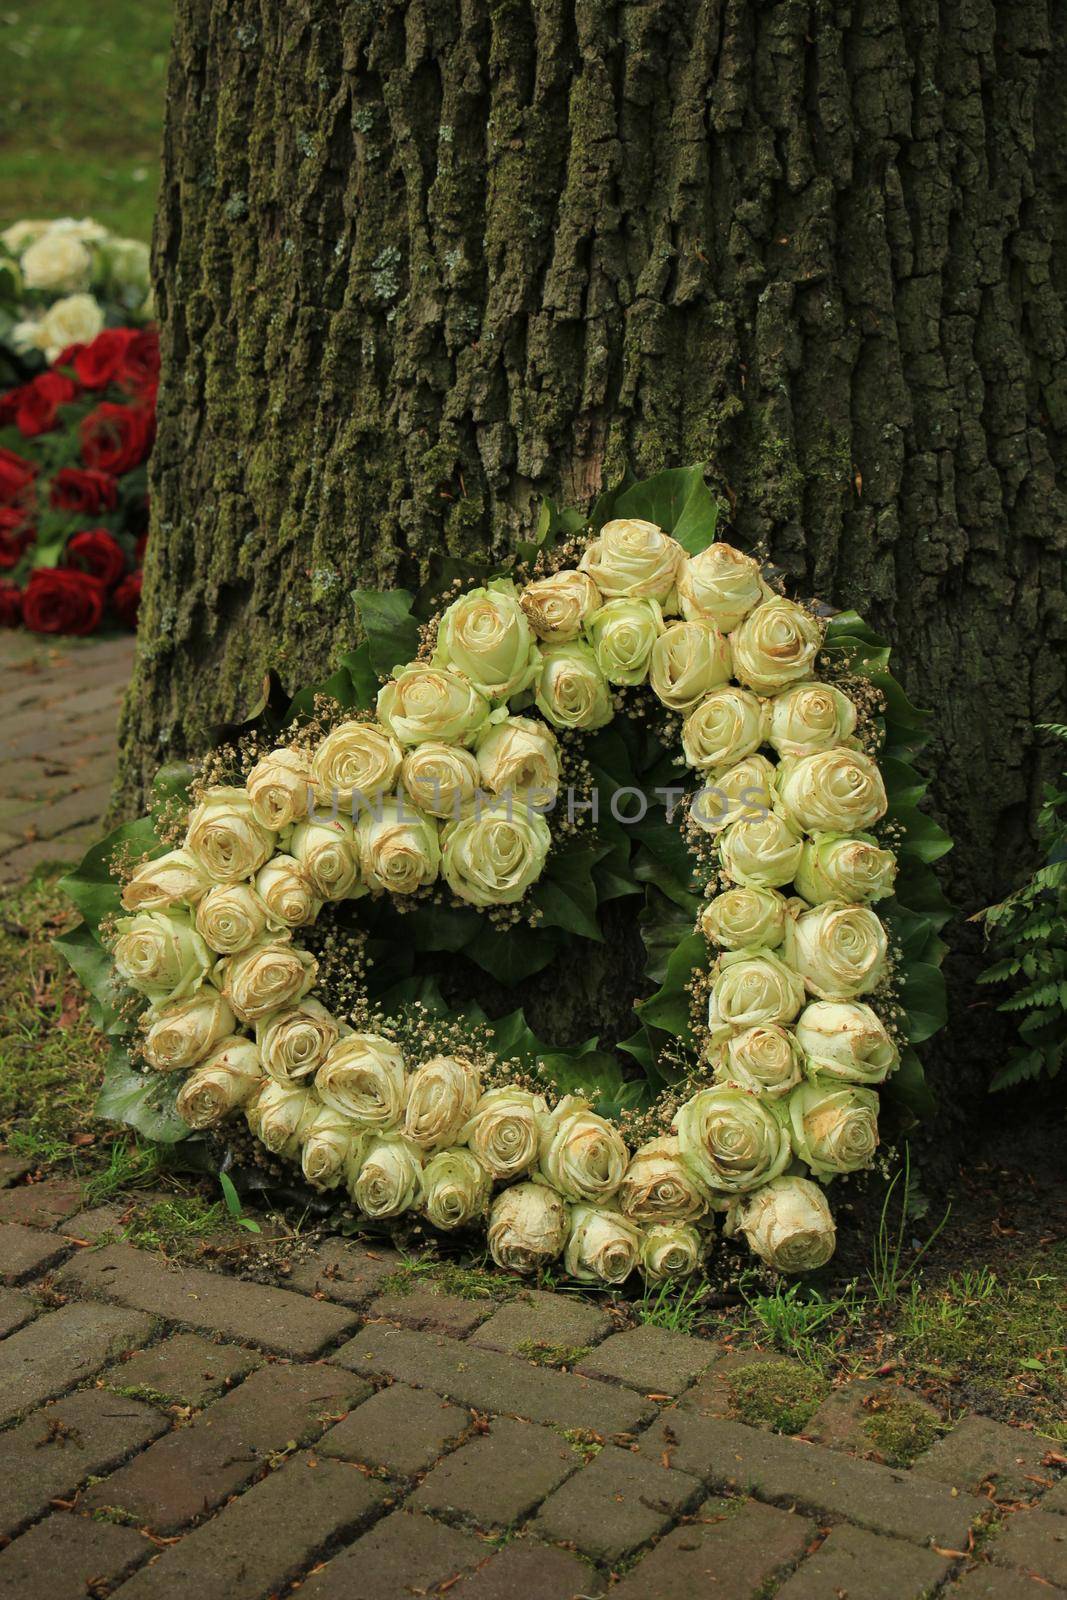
278, 1320
41, 1205
615, 1504
498, 1477
26, 1252
265, 1537
986, 1582
650, 1359
728, 1551
489, 1381
436, 1313
527, 1571
61, 1349
842, 1421
49, 1455
1035, 1542
711, 1395
868, 1566
399, 1429
553, 1321
1056, 1498
194, 1468
16, 1309
88, 1227
184, 1369
343, 1271
66, 1558
731, 1456
83, 805
980, 1451
403, 1555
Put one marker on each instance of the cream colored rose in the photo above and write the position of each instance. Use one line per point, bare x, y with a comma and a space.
223, 1082
633, 560
670, 1250
422, 702
688, 660
455, 1189
86, 228
761, 854
390, 1178
834, 1129
278, 788
557, 606
741, 793
520, 756
751, 987
527, 1227
787, 1224
742, 918
731, 1140
485, 635
583, 1156
602, 1246
279, 1115
18, 235
440, 778
363, 1077
505, 1131
572, 692
833, 791
327, 1142
58, 261
356, 761
286, 891
808, 717
776, 643
328, 855
399, 849
847, 1042
841, 866
839, 950
493, 856
658, 1186
442, 1095
183, 1032
268, 975
293, 1043
622, 634
766, 1060
720, 585
230, 917
728, 725
161, 955
167, 881
76, 319
226, 836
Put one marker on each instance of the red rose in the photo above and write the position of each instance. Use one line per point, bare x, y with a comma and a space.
57, 600
10, 605
66, 356
9, 405
16, 533
139, 369
39, 403
98, 553
81, 489
98, 364
16, 475
116, 438
126, 600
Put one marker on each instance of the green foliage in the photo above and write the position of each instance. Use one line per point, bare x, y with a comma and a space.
780, 1395
1028, 932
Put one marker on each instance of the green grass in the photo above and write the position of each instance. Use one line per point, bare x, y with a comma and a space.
81, 108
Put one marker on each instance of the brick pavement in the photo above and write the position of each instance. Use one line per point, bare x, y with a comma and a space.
176, 1430
59, 707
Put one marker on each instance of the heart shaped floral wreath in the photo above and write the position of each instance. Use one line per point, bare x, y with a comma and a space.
632, 709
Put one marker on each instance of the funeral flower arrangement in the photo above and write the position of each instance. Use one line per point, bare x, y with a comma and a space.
633, 710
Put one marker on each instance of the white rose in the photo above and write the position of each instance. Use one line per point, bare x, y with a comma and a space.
839, 950
455, 1189
633, 560
364, 1078
658, 1186
485, 635
670, 1250
442, 1095
268, 975
777, 643
720, 585
847, 1042
766, 1060
390, 1178
18, 235
602, 1247
167, 881
278, 788
787, 1224
182, 1033
763, 853
327, 1141
833, 791
739, 793
835, 1129
356, 761
520, 756
728, 725
743, 918
224, 1081
286, 892
688, 660
230, 917
808, 717
278, 1116
622, 634
527, 1227
293, 1043
557, 606
226, 836
751, 987
731, 1140
398, 848
77, 319
440, 778
505, 1131
58, 261
493, 856
161, 955
572, 692
841, 866
583, 1156
422, 702
328, 855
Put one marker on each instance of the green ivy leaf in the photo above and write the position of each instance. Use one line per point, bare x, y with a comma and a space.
392, 631
565, 894
512, 956
678, 501
669, 1007
91, 885
92, 965
144, 1101
923, 999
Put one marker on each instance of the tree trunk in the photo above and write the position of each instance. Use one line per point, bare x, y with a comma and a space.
419, 264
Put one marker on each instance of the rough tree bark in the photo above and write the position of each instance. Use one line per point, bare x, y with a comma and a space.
420, 263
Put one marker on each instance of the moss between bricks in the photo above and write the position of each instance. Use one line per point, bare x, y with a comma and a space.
775, 1394
553, 1355
901, 1430
448, 1277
